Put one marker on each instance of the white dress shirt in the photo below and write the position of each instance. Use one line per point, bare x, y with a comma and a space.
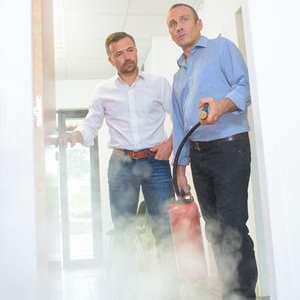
135, 114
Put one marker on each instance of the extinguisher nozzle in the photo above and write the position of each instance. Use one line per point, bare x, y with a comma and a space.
182, 194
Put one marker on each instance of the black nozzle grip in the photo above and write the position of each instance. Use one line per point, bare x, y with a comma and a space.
203, 114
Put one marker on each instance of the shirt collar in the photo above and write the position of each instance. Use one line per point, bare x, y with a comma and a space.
141, 75
202, 43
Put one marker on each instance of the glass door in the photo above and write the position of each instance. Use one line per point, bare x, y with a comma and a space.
80, 206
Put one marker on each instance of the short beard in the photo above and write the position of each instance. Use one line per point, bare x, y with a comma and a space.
125, 70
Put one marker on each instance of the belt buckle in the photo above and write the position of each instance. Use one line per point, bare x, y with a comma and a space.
200, 148
203, 146
197, 147
133, 155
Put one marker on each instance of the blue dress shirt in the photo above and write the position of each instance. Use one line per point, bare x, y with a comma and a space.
215, 68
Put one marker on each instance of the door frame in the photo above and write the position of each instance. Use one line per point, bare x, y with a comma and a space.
62, 116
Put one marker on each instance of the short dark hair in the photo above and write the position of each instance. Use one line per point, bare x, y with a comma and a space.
196, 17
115, 37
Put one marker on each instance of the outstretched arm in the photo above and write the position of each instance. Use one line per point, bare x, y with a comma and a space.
70, 137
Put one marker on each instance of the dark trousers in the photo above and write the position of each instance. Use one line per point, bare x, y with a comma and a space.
221, 177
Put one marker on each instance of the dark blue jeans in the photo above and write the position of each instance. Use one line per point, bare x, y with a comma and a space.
125, 177
221, 177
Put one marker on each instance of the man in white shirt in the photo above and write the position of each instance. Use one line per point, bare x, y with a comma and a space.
134, 106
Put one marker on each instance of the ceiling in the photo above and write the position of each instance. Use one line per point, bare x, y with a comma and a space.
81, 27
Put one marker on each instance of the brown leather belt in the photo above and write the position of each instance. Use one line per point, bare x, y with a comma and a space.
133, 154
207, 145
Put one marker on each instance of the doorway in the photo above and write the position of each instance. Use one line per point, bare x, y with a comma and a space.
80, 206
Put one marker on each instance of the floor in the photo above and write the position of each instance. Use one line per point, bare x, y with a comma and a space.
96, 284
135, 276
79, 285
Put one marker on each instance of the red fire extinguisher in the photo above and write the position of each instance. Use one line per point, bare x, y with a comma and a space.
187, 239
185, 225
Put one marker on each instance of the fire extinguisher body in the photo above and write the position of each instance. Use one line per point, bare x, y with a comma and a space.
187, 239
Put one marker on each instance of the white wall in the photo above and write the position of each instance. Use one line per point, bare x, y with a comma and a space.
273, 57
18, 250
218, 17
75, 93
162, 58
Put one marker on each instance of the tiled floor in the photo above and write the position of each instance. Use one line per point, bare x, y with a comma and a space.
97, 284
117, 280
79, 285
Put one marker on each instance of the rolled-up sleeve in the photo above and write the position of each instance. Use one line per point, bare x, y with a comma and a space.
235, 70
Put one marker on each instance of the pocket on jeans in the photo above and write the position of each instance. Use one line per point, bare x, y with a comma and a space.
162, 160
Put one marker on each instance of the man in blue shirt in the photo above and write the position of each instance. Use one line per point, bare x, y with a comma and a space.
212, 71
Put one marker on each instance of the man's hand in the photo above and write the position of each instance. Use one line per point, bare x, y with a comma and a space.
70, 137
216, 109
182, 180
164, 150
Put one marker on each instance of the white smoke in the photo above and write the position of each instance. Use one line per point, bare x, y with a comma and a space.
135, 270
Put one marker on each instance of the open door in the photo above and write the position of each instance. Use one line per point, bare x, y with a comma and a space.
46, 170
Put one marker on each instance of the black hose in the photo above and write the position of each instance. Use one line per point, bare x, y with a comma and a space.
178, 193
